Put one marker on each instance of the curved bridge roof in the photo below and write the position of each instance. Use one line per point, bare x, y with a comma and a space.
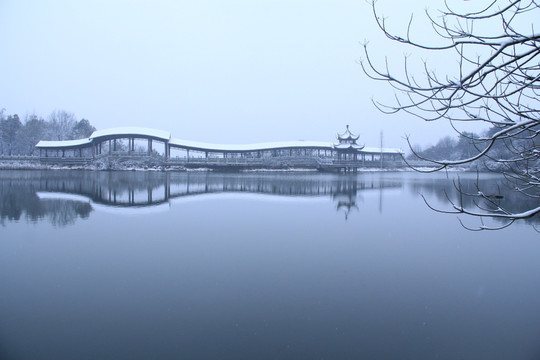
140, 132
131, 131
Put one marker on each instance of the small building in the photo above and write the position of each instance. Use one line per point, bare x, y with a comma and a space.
347, 148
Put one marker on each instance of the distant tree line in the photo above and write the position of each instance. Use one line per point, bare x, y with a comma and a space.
20, 137
447, 148
468, 144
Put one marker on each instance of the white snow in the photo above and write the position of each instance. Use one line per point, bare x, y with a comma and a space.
63, 143
250, 147
270, 146
202, 146
384, 150
132, 130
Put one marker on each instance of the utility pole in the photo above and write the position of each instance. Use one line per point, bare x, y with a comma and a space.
381, 149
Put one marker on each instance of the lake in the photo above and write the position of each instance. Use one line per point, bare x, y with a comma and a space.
152, 265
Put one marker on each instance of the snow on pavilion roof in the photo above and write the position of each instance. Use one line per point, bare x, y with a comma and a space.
250, 147
132, 130
348, 146
63, 143
347, 135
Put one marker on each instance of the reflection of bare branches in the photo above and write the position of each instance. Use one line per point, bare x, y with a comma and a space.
64, 212
496, 82
480, 204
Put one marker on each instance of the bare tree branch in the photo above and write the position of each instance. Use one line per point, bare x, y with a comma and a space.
496, 82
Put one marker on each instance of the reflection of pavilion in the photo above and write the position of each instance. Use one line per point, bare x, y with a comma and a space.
133, 144
79, 193
346, 197
141, 189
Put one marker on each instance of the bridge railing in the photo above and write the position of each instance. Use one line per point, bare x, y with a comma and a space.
19, 157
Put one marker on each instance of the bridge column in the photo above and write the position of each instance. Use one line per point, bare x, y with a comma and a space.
149, 146
110, 148
167, 187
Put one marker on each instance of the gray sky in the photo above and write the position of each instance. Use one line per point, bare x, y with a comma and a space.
222, 71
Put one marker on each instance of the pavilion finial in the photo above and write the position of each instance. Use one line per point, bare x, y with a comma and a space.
347, 136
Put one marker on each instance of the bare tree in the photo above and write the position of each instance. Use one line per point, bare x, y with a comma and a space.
496, 81
61, 124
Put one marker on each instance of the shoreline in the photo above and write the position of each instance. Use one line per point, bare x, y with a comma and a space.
15, 165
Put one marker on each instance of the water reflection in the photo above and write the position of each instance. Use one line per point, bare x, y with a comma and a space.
258, 266
62, 197
461, 188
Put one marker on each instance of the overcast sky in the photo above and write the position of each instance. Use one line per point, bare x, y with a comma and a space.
222, 71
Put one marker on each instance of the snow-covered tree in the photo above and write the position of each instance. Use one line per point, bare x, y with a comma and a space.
496, 81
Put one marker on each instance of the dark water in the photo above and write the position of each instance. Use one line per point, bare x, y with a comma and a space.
289, 266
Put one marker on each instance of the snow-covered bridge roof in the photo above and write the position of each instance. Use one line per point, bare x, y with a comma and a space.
120, 132
250, 147
131, 131
59, 144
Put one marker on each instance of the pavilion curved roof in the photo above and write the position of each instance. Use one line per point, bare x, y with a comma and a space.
348, 146
347, 135
131, 130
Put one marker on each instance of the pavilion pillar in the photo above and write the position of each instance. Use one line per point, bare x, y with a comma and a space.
167, 150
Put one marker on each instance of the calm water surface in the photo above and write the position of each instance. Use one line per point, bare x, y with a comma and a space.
97, 265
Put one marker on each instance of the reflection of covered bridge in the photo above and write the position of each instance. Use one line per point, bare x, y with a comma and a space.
141, 189
136, 143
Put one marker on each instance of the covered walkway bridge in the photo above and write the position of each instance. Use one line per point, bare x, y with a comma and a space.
137, 143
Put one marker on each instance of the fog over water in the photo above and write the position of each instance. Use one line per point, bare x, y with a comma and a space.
294, 266
234, 71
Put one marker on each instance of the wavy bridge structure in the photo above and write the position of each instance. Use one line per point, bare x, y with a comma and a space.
133, 143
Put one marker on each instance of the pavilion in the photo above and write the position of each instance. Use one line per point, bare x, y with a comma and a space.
158, 144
